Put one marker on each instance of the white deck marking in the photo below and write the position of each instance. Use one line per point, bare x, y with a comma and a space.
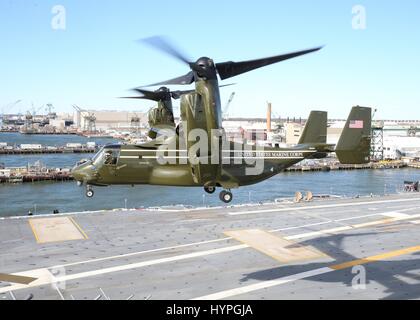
279, 281
351, 227
338, 205
326, 222
144, 252
396, 215
199, 254
149, 263
318, 233
51, 279
208, 241
303, 226
264, 284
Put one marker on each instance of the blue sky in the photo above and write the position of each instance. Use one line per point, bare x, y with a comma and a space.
97, 58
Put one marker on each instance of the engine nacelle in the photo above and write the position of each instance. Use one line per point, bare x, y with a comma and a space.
160, 117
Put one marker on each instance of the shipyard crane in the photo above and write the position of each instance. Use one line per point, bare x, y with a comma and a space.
8, 107
226, 108
49, 110
29, 120
89, 123
135, 122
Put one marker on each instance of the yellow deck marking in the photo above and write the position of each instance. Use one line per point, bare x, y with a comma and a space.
378, 257
33, 230
278, 248
303, 275
374, 223
56, 229
79, 228
16, 279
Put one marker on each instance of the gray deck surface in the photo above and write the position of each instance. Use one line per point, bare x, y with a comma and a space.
184, 254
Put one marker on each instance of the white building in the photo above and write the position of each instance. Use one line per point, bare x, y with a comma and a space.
110, 119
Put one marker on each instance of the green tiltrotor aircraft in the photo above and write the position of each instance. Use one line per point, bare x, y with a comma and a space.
196, 153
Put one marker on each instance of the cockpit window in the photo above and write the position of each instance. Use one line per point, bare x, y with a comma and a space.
97, 156
111, 156
108, 155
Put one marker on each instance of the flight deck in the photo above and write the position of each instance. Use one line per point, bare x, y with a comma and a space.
350, 248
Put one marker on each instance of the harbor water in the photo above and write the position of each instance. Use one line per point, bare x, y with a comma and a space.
45, 197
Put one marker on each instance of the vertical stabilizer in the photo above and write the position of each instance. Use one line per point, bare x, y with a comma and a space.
354, 144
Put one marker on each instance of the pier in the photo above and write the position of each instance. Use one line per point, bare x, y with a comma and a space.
58, 176
17, 151
337, 166
414, 165
34, 173
23, 149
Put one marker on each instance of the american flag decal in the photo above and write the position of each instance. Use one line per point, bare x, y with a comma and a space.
356, 124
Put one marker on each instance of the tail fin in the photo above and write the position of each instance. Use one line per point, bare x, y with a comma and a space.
354, 144
315, 130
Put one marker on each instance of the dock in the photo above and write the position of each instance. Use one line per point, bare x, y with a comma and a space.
55, 177
414, 165
46, 150
364, 248
336, 166
34, 173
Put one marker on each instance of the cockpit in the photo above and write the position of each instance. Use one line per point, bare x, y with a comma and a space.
108, 155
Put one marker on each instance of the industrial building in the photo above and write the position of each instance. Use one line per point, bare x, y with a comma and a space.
108, 119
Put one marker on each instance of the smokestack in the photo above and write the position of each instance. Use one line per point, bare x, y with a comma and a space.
268, 116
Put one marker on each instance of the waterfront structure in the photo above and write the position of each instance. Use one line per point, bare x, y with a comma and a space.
108, 119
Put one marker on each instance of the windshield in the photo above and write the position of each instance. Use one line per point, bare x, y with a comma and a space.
107, 155
97, 156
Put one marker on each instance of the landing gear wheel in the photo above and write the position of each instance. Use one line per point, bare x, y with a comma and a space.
210, 189
226, 196
89, 193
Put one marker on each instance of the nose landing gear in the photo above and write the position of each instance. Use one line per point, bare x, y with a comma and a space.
89, 192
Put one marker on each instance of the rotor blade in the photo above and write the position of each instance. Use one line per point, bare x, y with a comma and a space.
185, 79
147, 95
133, 98
230, 69
162, 44
179, 93
227, 85
152, 95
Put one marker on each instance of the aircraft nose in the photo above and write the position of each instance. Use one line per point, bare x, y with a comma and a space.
82, 172
77, 173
